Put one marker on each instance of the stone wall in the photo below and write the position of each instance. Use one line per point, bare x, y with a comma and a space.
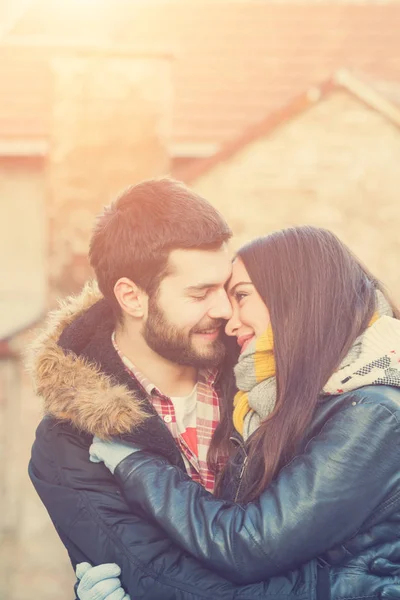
336, 165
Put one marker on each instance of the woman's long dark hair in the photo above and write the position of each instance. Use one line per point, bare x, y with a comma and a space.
320, 299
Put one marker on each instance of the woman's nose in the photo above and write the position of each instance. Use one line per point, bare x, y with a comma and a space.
232, 325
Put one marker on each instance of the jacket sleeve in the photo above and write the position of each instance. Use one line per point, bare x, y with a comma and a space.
318, 500
96, 525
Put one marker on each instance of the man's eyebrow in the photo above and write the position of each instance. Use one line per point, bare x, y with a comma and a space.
231, 291
200, 287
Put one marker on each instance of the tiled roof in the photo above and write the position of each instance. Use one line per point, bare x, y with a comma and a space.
235, 61
375, 96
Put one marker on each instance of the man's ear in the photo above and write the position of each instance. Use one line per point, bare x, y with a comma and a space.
131, 298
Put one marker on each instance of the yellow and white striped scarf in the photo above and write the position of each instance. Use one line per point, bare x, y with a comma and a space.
256, 365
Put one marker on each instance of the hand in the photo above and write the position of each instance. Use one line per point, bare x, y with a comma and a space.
390, 592
110, 453
385, 567
380, 580
100, 583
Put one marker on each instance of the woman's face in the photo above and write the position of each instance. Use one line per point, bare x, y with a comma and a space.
250, 316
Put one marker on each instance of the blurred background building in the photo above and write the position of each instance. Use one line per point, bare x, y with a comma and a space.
279, 112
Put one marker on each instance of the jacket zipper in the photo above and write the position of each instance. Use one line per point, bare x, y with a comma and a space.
242, 470
239, 442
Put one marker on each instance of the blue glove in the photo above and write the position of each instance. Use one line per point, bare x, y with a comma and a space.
110, 453
99, 583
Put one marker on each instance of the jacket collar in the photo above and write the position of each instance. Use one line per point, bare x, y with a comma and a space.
82, 380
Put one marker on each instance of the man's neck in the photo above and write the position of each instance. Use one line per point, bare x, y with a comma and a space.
170, 378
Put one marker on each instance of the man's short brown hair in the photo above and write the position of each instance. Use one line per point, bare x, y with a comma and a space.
135, 234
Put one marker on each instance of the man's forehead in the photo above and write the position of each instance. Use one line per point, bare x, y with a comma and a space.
201, 267
239, 274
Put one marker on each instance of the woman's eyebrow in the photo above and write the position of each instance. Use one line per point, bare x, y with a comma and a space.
231, 291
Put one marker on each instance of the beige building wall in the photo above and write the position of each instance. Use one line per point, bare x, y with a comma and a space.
111, 125
337, 165
23, 243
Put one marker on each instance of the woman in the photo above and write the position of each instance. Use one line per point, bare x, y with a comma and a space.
316, 425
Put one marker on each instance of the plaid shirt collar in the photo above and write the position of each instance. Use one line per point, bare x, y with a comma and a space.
207, 418
146, 384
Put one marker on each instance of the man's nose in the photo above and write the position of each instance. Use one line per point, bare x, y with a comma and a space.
221, 308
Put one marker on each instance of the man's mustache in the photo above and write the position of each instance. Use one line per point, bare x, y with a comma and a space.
214, 324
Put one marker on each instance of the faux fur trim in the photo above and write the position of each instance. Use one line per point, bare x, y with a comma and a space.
75, 390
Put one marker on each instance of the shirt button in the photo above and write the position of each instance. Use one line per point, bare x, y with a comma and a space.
168, 418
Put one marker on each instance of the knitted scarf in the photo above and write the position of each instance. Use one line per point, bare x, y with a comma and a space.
373, 359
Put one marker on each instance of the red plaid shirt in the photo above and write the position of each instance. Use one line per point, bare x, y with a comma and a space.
207, 418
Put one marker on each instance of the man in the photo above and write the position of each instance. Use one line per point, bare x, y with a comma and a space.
139, 360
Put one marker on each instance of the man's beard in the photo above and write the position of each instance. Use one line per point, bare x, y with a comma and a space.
176, 346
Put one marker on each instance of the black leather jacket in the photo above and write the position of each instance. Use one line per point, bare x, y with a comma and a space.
338, 500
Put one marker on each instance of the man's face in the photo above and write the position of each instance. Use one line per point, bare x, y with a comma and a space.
186, 316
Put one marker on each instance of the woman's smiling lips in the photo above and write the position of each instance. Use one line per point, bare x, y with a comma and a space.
244, 341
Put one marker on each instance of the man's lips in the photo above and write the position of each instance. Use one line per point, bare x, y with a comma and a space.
244, 341
209, 334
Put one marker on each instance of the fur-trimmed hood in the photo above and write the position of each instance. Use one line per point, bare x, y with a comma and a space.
78, 374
